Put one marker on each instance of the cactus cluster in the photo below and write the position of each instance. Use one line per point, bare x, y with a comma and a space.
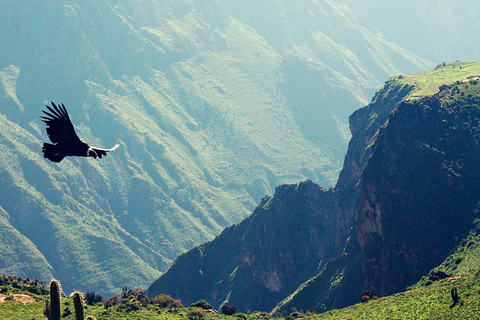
52, 311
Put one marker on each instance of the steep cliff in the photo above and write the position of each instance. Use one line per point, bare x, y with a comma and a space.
289, 237
255, 263
420, 189
418, 197
406, 194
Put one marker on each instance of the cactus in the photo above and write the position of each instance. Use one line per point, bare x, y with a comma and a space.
77, 298
454, 294
54, 300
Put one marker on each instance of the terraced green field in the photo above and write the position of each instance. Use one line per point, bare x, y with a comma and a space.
428, 83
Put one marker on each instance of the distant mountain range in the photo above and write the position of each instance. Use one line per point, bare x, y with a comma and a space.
407, 194
214, 103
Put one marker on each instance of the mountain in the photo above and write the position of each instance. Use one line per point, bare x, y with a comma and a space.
418, 198
212, 112
436, 30
405, 196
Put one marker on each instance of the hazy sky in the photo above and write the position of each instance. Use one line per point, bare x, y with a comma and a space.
439, 30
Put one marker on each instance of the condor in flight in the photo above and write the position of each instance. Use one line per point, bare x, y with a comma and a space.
66, 142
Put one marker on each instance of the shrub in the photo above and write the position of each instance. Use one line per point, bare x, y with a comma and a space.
196, 314
112, 301
201, 304
295, 315
66, 312
454, 294
261, 315
229, 309
16, 284
166, 301
91, 298
141, 296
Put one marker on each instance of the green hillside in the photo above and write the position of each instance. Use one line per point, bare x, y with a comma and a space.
211, 113
431, 297
428, 83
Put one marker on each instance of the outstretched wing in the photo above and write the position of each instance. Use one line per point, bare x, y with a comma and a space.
103, 152
59, 127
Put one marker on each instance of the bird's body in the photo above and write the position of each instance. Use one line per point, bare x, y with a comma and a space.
65, 141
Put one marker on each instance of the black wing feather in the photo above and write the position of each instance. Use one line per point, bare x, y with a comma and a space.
59, 127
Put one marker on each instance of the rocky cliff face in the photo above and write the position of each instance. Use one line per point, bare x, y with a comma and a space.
257, 262
418, 196
289, 238
408, 192
419, 190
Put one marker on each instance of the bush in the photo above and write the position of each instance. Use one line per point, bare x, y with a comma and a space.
16, 284
196, 314
141, 296
229, 309
91, 298
201, 304
166, 301
295, 315
112, 301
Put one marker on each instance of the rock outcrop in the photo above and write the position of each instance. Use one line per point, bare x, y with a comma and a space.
418, 196
290, 236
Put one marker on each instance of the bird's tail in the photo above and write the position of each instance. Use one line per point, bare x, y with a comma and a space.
52, 152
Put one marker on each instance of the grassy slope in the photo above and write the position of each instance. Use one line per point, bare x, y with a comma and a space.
427, 83
430, 299
430, 302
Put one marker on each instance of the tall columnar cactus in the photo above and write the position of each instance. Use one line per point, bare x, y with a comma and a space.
54, 300
454, 294
77, 298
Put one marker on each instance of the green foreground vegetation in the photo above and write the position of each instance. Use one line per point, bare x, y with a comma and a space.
432, 301
424, 302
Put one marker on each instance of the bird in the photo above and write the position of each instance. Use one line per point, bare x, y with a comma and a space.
65, 141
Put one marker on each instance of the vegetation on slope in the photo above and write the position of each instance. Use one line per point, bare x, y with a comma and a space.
430, 298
